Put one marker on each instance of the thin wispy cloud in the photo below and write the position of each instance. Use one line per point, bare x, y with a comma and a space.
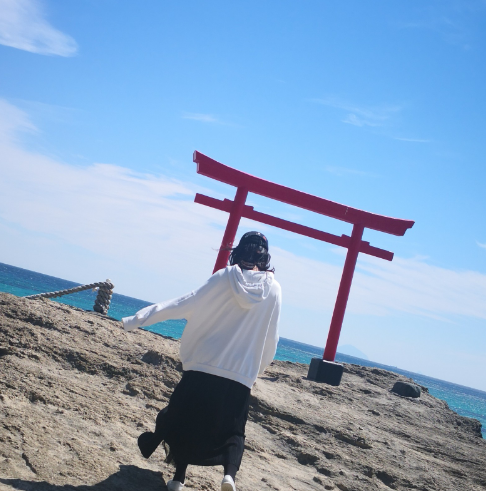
358, 121
203, 118
358, 115
343, 171
23, 25
104, 217
13, 121
433, 22
48, 112
481, 245
382, 288
451, 20
412, 140
417, 287
451, 31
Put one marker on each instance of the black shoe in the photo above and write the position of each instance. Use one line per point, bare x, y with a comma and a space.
147, 443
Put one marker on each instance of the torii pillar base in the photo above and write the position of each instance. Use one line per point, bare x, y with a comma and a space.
328, 372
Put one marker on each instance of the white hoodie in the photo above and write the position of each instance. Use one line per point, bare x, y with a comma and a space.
232, 323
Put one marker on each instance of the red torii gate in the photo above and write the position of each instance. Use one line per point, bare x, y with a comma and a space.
324, 370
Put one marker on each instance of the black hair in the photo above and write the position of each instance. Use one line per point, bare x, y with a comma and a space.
249, 255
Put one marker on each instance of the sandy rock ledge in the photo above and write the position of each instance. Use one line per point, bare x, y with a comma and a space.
76, 391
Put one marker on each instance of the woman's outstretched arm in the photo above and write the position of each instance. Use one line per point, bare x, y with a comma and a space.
178, 308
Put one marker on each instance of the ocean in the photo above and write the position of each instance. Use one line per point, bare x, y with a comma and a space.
21, 282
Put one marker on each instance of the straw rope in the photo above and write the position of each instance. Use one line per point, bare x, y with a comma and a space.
103, 299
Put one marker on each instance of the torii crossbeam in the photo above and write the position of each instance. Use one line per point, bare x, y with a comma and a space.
326, 370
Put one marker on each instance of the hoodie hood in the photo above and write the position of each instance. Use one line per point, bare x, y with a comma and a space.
249, 287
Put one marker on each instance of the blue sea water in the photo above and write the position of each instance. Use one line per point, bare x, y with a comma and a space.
21, 282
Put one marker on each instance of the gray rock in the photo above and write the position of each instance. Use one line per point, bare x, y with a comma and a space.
153, 358
406, 389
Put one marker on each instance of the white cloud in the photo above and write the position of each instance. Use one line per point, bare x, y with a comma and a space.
13, 121
481, 245
137, 220
23, 26
203, 118
454, 21
343, 171
416, 287
361, 115
356, 121
382, 288
413, 140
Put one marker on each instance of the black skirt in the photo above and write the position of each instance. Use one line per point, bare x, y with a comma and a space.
204, 423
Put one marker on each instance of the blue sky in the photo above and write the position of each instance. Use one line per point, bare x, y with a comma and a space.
376, 105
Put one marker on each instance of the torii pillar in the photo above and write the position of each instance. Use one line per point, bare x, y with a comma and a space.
325, 369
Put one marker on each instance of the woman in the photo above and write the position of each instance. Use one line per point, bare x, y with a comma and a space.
230, 337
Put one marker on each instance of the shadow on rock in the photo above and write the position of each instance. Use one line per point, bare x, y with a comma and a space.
128, 478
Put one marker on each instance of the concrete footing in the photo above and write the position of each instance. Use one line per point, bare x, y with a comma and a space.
328, 372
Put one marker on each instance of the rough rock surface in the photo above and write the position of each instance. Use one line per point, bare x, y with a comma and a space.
406, 389
76, 391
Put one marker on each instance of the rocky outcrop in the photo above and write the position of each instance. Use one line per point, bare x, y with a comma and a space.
406, 389
76, 391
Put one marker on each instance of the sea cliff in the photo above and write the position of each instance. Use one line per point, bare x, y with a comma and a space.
76, 391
